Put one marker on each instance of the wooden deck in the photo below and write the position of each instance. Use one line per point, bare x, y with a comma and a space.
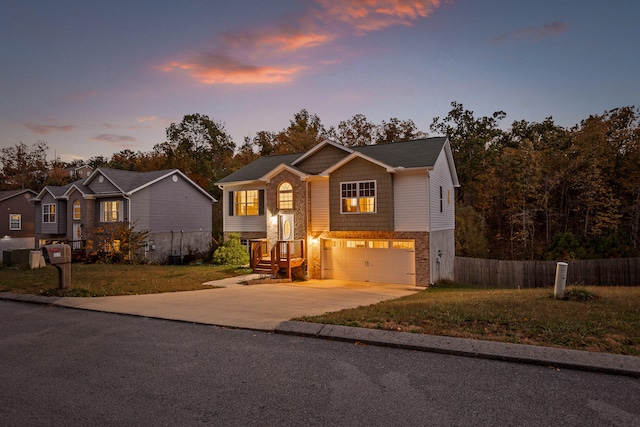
284, 255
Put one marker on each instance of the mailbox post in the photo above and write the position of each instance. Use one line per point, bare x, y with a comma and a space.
59, 256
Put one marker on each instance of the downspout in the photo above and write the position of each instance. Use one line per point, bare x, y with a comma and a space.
181, 242
128, 216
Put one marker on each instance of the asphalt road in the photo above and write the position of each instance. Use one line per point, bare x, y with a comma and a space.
69, 367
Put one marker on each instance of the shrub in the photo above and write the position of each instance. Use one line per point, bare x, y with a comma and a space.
231, 252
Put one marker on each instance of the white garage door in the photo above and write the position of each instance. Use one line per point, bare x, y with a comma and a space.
384, 261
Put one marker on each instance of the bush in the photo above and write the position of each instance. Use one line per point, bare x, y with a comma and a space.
231, 252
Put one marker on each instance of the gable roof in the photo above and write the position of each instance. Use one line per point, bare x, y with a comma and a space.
258, 168
128, 182
317, 148
419, 153
56, 191
7, 194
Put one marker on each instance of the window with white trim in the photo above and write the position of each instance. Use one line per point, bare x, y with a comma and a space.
358, 197
15, 222
246, 203
285, 196
111, 211
76, 210
49, 213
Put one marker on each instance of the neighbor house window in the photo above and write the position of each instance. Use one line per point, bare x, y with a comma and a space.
76, 209
49, 213
358, 197
15, 222
111, 211
246, 202
285, 196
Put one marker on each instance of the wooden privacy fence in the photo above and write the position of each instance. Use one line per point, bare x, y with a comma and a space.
533, 274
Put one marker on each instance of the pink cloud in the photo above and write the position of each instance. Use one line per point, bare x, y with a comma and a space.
284, 38
534, 33
272, 54
115, 140
372, 15
213, 68
44, 129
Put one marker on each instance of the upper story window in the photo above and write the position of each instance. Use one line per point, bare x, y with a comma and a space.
111, 211
358, 197
246, 202
49, 213
285, 196
15, 222
76, 210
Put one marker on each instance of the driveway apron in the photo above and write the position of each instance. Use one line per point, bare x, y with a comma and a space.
260, 307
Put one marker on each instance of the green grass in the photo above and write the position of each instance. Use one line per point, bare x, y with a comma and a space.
90, 280
600, 319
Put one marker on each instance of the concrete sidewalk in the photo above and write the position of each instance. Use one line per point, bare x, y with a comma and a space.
269, 307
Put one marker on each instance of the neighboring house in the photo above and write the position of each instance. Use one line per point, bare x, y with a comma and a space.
176, 212
79, 172
379, 213
17, 225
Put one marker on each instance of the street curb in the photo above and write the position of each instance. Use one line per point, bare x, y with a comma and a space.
520, 353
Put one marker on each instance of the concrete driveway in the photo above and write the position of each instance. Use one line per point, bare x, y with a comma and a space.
260, 307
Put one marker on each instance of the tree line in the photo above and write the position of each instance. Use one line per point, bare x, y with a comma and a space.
534, 191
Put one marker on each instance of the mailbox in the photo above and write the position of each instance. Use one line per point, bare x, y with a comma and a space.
59, 256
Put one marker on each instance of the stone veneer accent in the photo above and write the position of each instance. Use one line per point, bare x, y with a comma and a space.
299, 210
421, 239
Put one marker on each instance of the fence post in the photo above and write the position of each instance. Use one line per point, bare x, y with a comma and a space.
561, 279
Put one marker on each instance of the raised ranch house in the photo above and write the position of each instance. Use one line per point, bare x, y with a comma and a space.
174, 210
17, 224
379, 213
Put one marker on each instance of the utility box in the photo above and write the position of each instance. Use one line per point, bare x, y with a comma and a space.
59, 256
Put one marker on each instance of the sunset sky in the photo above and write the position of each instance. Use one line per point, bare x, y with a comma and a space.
93, 78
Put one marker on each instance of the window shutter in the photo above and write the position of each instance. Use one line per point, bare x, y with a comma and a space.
260, 202
230, 203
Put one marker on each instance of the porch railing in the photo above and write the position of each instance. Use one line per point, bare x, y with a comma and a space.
283, 255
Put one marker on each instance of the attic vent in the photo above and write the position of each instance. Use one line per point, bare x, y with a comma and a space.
174, 178
101, 179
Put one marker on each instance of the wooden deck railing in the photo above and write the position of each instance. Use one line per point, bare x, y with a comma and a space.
283, 255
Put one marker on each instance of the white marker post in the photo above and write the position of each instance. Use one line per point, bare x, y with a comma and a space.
561, 279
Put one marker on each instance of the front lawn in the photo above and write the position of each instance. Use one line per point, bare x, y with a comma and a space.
107, 279
600, 319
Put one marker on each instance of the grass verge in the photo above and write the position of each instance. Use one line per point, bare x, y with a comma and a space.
599, 319
91, 280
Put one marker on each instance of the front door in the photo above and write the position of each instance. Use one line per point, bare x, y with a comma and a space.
77, 236
285, 227
285, 231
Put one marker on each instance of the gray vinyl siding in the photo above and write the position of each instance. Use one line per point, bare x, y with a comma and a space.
102, 187
440, 177
319, 195
19, 204
171, 206
411, 195
235, 223
57, 227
